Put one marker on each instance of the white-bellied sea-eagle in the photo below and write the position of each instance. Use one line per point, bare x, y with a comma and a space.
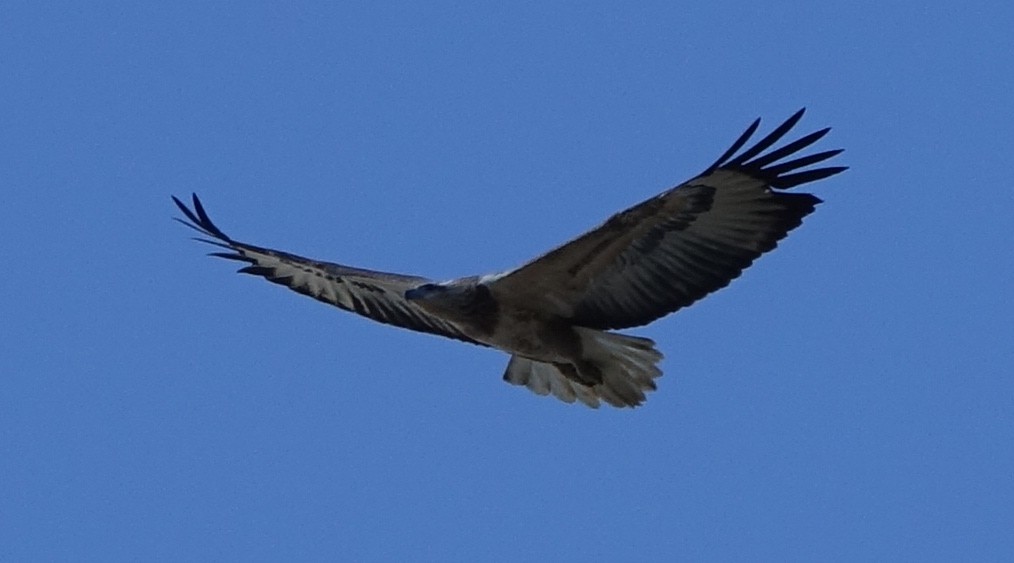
554, 314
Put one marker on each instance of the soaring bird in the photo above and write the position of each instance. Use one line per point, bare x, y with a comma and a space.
554, 315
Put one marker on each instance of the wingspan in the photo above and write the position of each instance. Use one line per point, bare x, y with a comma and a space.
673, 249
376, 295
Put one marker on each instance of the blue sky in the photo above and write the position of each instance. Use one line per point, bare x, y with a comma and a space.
849, 398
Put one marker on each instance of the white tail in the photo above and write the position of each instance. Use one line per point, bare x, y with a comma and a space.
627, 365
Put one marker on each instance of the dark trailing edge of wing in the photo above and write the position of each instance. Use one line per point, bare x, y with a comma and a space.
762, 166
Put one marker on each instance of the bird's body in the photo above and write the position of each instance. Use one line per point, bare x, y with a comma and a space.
554, 315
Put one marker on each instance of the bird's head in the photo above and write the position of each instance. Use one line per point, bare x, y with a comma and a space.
441, 297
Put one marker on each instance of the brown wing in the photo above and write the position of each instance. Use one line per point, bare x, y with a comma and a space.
673, 249
376, 295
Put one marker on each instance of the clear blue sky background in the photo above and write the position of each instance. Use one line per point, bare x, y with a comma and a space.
850, 398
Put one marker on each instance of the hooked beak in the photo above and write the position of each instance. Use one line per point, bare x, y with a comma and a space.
421, 292
414, 293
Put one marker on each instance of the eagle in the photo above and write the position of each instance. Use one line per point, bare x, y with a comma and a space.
555, 315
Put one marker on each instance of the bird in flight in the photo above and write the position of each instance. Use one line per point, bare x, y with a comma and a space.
555, 315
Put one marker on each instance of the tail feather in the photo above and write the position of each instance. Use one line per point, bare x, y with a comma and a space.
627, 365
543, 378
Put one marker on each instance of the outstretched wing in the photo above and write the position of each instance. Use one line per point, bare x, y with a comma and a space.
376, 295
675, 248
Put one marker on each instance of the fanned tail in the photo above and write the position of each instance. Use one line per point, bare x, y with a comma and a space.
627, 364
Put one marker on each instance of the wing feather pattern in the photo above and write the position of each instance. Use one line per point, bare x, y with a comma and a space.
673, 249
379, 296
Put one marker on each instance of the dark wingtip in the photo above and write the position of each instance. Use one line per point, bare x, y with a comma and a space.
736, 145
787, 181
197, 218
769, 167
186, 211
769, 140
794, 118
200, 209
